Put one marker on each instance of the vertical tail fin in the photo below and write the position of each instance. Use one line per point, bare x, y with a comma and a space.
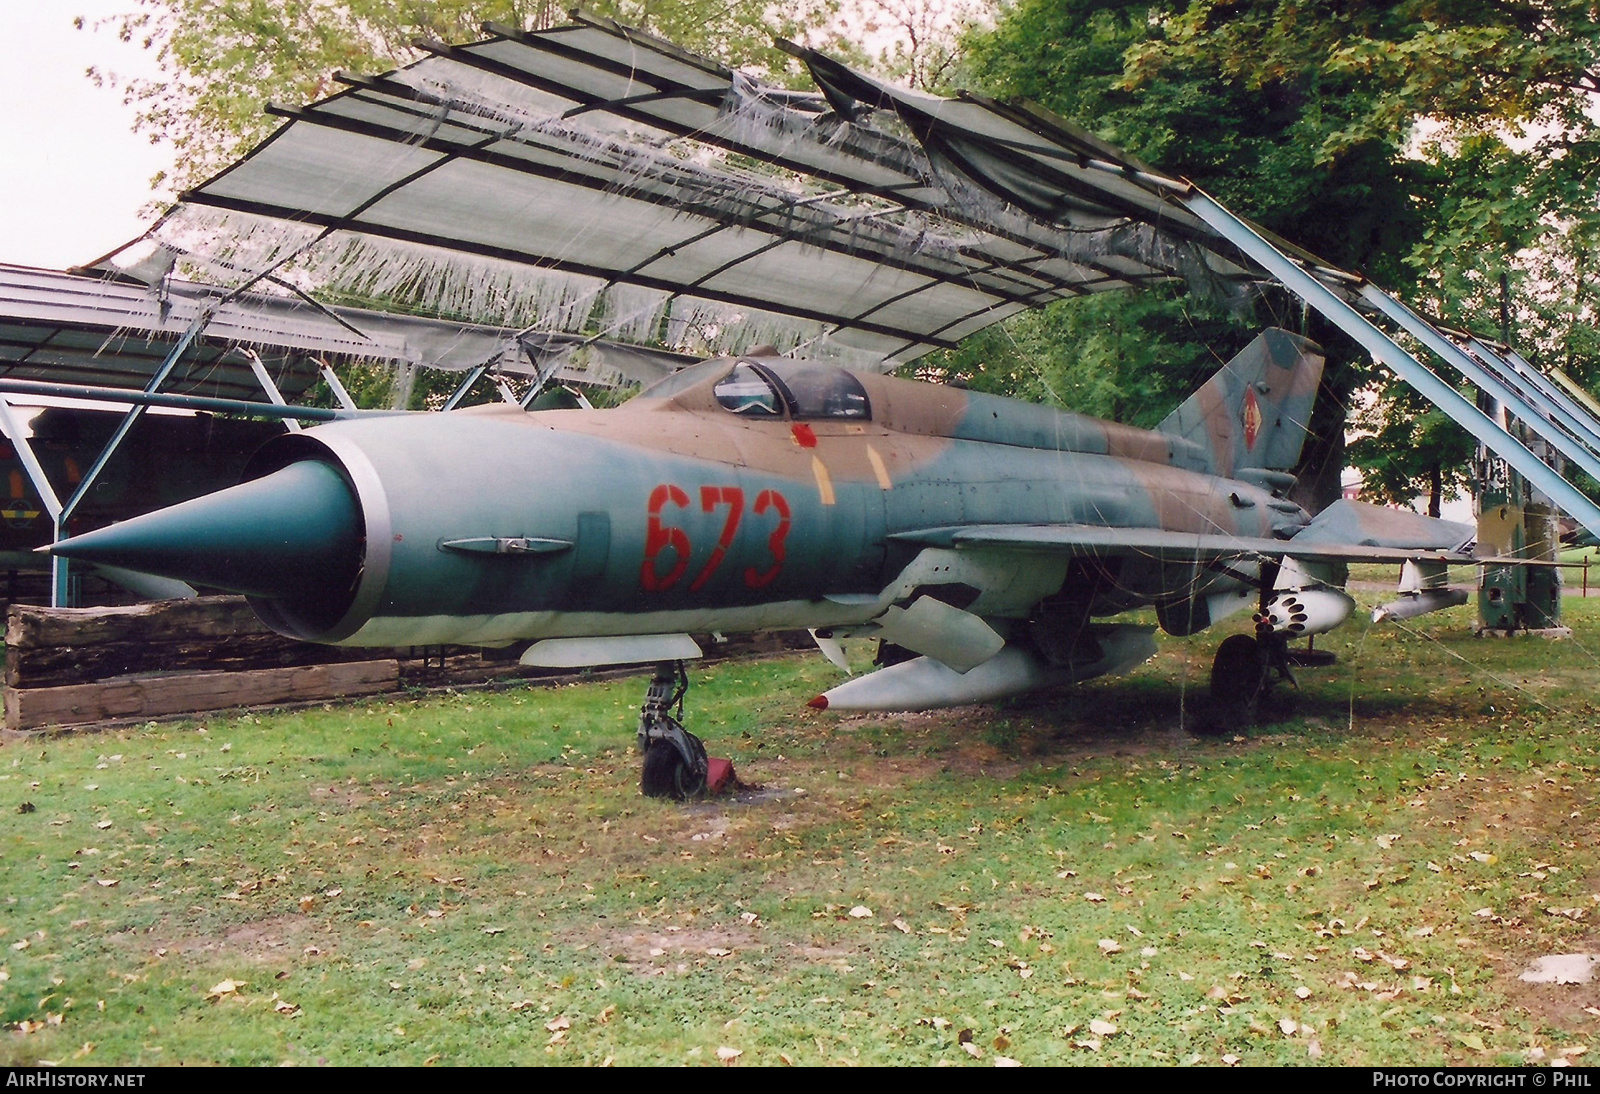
1254, 412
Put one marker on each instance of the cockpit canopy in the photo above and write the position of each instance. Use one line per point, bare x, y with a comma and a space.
802, 389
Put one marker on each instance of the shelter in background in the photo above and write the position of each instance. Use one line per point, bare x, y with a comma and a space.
595, 180
591, 182
74, 342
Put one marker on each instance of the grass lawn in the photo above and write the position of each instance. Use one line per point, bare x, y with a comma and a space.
1070, 878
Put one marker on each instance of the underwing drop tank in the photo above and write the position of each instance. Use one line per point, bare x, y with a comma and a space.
925, 684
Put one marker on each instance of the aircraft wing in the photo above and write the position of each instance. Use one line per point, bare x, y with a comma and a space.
1346, 531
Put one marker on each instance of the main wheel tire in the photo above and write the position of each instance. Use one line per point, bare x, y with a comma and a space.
1238, 683
667, 776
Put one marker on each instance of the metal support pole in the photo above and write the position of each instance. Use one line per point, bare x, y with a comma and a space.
124, 396
135, 412
466, 385
47, 496
336, 386
1576, 391
1515, 364
1386, 350
506, 394
1536, 414
264, 378
542, 372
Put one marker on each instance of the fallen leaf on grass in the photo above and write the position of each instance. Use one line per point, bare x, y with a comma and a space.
1110, 945
972, 1050
1483, 857
284, 1007
224, 988
728, 1055
902, 926
1005, 1061
1094, 898
1088, 1043
1231, 1060
1102, 1028
556, 1025
1288, 1026
861, 911
107, 882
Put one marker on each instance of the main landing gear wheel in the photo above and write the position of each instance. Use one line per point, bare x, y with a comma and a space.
675, 762
1242, 678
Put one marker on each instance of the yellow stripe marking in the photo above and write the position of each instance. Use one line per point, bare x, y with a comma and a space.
878, 469
824, 483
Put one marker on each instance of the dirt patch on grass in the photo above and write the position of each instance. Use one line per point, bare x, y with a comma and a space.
656, 951
1569, 1006
262, 941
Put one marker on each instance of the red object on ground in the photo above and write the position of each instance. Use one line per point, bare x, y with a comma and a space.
719, 776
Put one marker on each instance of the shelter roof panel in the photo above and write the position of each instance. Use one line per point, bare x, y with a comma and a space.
77, 329
297, 169
978, 320
596, 161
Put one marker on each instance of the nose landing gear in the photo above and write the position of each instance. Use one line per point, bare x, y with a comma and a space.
675, 762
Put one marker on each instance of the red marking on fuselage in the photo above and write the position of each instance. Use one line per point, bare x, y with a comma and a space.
661, 536
1252, 418
803, 435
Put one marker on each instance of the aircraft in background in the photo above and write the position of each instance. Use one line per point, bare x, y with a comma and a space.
986, 541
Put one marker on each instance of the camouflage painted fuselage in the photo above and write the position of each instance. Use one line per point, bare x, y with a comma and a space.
674, 514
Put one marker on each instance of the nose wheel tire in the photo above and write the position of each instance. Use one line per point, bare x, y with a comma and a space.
667, 774
675, 762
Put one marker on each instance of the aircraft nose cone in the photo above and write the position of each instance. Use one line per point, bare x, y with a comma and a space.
294, 532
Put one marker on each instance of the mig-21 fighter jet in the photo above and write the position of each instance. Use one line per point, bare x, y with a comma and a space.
989, 543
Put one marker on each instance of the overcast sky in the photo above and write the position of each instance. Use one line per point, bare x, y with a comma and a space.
75, 174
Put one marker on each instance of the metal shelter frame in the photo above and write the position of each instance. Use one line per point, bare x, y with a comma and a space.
563, 166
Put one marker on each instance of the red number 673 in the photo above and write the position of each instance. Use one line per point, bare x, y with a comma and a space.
660, 537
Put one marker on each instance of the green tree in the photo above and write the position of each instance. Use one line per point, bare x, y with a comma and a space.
1502, 97
1260, 147
224, 60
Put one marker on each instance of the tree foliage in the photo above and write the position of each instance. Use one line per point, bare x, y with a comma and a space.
1502, 95
1258, 148
1429, 144
224, 60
